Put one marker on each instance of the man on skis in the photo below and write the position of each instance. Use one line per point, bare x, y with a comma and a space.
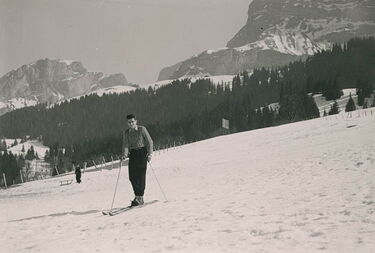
138, 146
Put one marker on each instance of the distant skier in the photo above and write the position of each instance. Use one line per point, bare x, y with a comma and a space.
138, 146
77, 172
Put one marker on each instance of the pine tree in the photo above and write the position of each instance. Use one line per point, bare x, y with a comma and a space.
3, 145
337, 92
350, 106
334, 109
8, 166
46, 156
245, 75
311, 108
15, 143
332, 90
30, 155
364, 90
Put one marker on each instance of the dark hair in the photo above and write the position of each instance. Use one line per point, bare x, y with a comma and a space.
130, 116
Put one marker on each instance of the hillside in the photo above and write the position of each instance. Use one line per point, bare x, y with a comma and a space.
302, 187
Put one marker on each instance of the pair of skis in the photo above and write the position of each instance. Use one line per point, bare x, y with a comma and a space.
115, 211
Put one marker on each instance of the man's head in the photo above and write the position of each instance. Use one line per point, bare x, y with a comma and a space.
132, 121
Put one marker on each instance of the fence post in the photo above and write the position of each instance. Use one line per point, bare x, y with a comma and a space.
21, 175
57, 171
84, 167
112, 162
94, 164
5, 181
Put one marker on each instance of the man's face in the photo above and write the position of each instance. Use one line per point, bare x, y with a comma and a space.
132, 123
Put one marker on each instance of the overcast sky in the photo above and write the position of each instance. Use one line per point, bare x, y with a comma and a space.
134, 37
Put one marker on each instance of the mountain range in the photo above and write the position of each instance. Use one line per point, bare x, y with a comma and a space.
276, 32
280, 31
50, 81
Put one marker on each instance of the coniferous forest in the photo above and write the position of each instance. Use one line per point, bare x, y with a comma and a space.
186, 111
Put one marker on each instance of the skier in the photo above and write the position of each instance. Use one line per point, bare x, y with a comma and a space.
77, 172
138, 146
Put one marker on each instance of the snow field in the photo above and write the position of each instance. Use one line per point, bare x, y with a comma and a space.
324, 104
17, 150
302, 187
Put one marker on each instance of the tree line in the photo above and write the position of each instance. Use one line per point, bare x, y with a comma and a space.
184, 111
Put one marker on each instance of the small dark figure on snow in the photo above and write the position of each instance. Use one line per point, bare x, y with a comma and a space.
138, 146
77, 172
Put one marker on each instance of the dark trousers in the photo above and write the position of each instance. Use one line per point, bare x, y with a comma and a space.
137, 170
78, 177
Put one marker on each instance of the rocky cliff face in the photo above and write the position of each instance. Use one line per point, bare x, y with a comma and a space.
280, 31
320, 20
167, 72
50, 81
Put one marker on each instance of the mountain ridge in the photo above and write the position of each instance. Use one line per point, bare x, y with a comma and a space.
50, 81
288, 29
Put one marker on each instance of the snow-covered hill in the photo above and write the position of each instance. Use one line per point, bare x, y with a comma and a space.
17, 149
302, 187
220, 79
100, 92
325, 105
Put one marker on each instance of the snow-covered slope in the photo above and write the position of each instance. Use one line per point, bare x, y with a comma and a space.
17, 150
220, 79
100, 92
112, 90
292, 43
325, 105
302, 187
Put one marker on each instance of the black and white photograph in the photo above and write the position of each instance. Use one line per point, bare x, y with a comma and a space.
189, 126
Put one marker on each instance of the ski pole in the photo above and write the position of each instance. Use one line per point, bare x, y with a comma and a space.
114, 195
161, 189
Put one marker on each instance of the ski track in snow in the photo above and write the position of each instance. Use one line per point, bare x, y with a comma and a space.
303, 187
